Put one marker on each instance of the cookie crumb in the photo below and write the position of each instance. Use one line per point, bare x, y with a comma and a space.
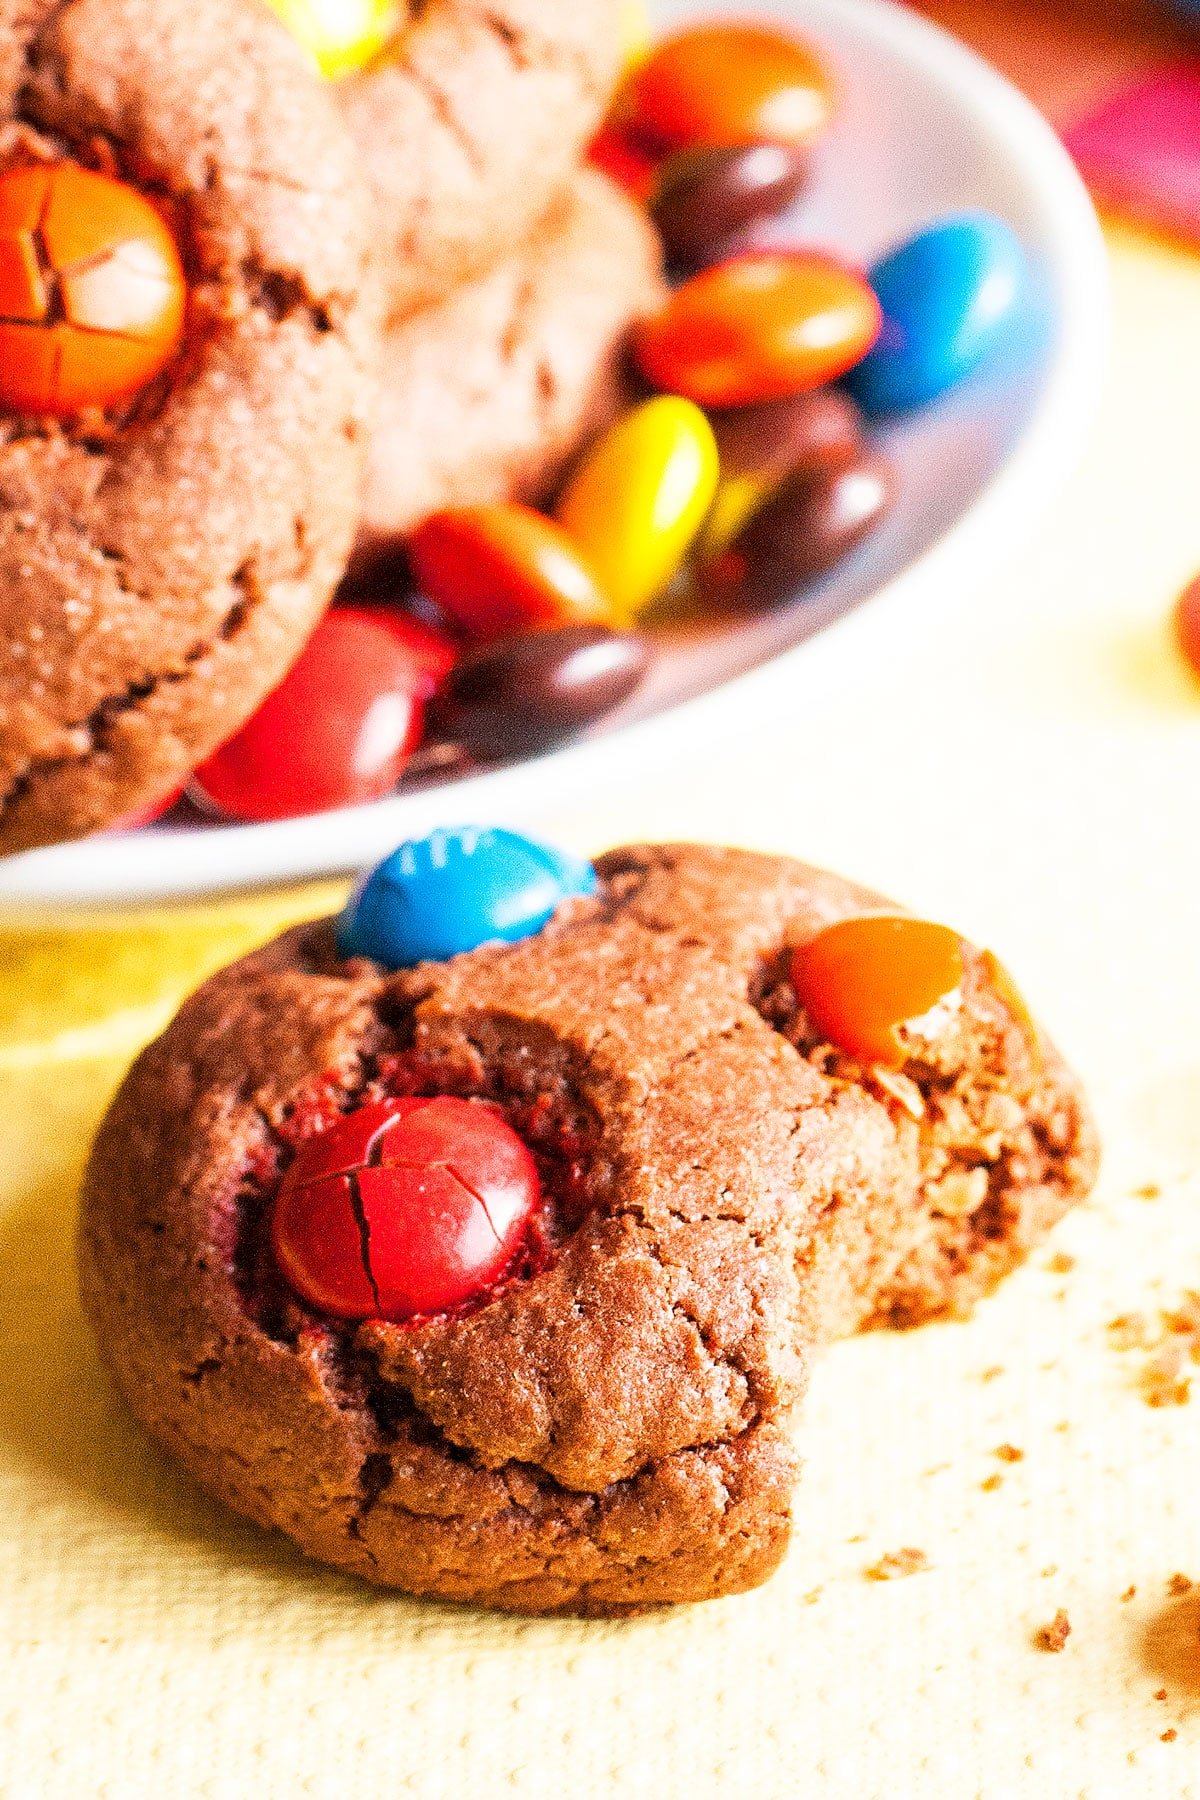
1060, 1263
1053, 1637
1169, 1735
991, 1374
1179, 1584
1160, 1693
896, 1564
1009, 1453
1050, 1569
1163, 1382
991, 1484
1149, 1190
812, 1596
1172, 1342
1130, 1591
1128, 1331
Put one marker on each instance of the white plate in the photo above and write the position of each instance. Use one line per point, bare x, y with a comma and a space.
925, 127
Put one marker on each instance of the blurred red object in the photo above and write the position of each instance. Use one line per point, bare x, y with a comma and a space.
1069, 56
1140, 150
1121, 81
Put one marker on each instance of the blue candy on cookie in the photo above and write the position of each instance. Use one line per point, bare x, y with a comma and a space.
438, 896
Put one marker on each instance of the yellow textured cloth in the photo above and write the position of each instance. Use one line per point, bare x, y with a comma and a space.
1032, 776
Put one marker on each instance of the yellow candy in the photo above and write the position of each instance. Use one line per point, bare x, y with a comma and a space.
636, 36
640, 498
340, 35
738, 497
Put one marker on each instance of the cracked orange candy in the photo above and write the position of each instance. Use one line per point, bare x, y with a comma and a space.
92, 291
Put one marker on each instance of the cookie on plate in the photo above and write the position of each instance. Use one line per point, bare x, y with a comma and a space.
603, 1425
167, 540
468, 126
489, 395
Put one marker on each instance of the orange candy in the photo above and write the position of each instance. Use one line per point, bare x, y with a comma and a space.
729, 82
863, 979
504, 568
1187, 624
92, 291
762, 326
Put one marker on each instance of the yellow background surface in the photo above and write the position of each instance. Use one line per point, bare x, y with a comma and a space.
1032, 776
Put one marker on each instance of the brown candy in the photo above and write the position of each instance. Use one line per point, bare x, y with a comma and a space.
808, 525
529, 690
807, 434
704, 199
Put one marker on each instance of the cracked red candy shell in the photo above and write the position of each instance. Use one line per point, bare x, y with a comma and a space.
404, 1207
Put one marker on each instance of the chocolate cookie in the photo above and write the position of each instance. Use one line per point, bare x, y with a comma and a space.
469, 125
488, 396
161, 564
723, 1191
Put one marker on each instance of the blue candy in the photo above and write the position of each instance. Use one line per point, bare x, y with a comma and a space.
437, 896
950, 297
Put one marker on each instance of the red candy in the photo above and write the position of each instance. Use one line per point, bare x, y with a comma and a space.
1187, 624
337, 731
405, 1207
431, 653
729, 82
762, 326
504, 568
623, 161
92, 291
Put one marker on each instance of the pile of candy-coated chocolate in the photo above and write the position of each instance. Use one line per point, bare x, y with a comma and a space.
747, 472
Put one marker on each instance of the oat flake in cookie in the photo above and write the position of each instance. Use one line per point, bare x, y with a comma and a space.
605, 1427
163, 561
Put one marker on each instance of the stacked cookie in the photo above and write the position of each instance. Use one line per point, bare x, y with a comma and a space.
511, 271
169, 536
202, 245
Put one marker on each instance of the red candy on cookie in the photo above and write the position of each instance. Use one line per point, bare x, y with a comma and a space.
337, 731
864, 978
403, 1208
730, 81
92, 291
505, 568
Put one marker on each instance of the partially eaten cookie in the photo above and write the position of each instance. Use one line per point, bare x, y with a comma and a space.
603, 1424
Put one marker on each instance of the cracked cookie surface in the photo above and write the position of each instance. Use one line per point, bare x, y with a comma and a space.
609, 1428
469, 125
160, 569
489, 395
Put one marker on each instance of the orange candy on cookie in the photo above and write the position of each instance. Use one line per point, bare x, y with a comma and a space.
860, 981
731, 81
761, 326
92, 291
